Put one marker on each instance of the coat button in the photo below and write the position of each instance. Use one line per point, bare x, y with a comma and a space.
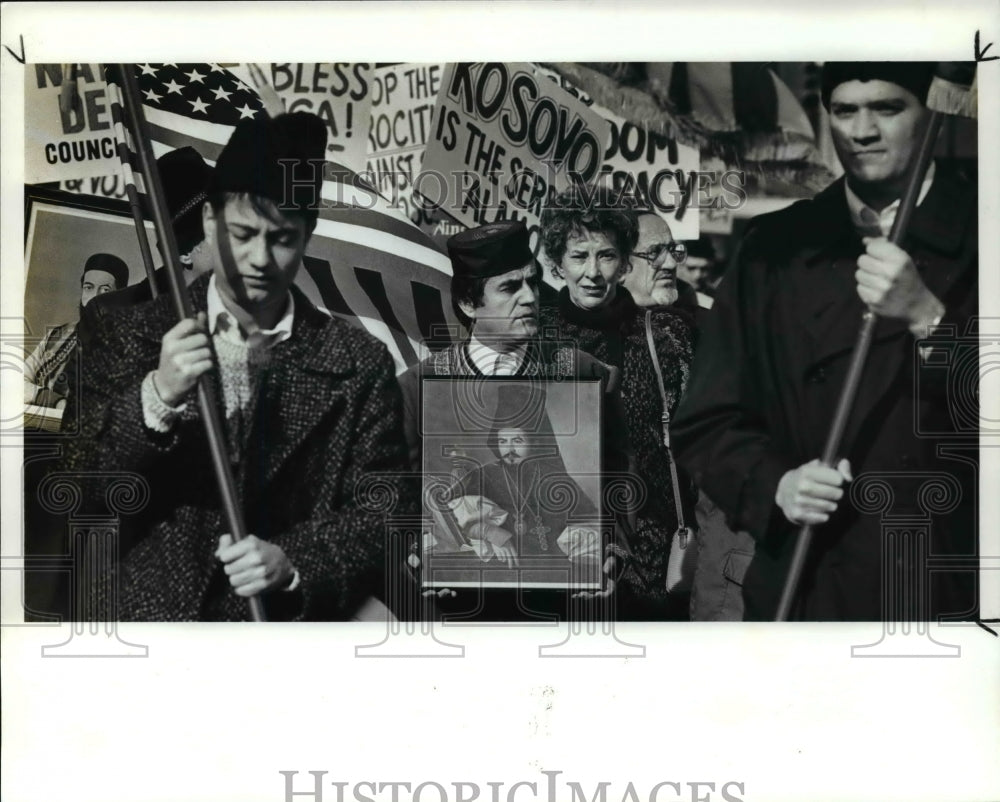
817, 376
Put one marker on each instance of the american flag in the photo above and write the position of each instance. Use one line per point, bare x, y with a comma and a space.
366, 261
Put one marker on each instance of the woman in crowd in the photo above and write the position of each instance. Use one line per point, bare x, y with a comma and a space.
587, 241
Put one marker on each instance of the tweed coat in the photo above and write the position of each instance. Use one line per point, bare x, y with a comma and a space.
328, 417
772, 357
616, 335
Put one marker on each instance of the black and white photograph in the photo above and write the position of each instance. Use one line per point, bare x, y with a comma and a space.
771, 438
514, 493
77, 247
468, 344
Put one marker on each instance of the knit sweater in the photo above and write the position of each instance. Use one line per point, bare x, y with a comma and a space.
239, 370
616, 335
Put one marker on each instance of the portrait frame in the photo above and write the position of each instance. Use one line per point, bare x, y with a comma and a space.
74, 226
469, 487
61, 230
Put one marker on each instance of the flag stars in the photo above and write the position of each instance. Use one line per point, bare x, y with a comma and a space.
147, 70
198, 105
151, 96
221, 94
173, 86
246, 111
195, 76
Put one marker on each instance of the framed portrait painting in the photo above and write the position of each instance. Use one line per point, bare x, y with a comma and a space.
512, 484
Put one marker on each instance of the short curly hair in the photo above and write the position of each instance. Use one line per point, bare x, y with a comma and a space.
580, 209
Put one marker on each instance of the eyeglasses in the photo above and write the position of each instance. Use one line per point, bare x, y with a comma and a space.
677, 250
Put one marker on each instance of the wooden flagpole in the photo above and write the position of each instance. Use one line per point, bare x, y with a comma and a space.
859, 355
207, 402
122, 133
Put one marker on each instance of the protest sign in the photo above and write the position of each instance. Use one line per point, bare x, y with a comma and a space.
63, 145
403, 97
655, 170
340, 94
101, 186
504, 140
648, 166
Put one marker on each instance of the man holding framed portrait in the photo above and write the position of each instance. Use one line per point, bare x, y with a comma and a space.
495, 292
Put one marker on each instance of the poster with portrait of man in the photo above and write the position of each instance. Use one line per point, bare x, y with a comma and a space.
512, 484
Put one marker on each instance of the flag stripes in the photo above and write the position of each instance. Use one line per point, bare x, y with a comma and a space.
371, 283
330, 296
353, 213
359, 214
390, 244
394, 266
123, 141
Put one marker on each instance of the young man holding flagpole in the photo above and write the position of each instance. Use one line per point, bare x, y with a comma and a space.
311, 407
778, 343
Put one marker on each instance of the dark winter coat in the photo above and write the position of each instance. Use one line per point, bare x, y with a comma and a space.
616, 335
772, 357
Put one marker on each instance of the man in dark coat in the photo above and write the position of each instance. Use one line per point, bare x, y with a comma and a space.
774, 354
494, 293
311, 407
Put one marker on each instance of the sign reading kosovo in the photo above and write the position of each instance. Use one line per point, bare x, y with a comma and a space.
505, 139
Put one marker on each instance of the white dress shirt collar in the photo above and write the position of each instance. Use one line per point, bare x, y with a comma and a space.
218, 314
870, 223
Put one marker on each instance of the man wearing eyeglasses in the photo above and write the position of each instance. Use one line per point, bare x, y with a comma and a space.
652, 281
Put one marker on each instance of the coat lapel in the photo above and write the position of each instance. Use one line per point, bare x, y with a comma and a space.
825, 295
819, 277
305, 376
938, 232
